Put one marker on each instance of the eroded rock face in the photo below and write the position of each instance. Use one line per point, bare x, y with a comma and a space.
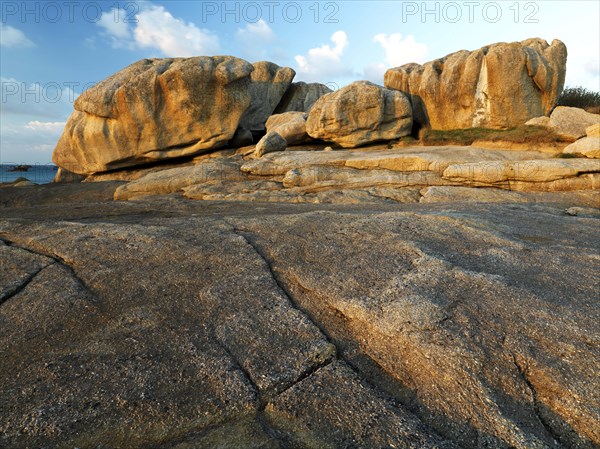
155, 109
360, 113
301, 96
497, 86
269, 84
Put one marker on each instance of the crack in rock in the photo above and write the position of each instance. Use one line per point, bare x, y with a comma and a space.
56, 260
23, 285
338, 353
286, 293
536, 402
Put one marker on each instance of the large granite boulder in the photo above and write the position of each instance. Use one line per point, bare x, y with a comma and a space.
497, 86
269, 84
155, 109
571, 123
360, 113
301, 96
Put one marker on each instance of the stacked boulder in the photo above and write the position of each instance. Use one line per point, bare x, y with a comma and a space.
358, 114
161, 109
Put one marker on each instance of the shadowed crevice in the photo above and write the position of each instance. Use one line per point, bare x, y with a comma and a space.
23, 285
537, 405
56, 259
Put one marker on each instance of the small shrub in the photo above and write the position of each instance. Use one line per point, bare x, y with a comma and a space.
580, 97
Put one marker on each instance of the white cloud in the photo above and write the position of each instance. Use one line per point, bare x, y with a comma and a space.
50, 100
44, 147
115, 28
325, 61
157, 28
13, 37
28, 141
375, 72
398, 51
53, 127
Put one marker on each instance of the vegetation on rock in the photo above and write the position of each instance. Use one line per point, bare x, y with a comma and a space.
580, 97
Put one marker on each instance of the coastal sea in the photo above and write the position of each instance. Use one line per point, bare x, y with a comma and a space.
36, 173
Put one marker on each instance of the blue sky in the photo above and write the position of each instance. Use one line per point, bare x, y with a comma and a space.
51, 50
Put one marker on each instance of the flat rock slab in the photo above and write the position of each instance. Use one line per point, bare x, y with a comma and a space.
172, 323
445, 194
175, 179
528, 171
379, 156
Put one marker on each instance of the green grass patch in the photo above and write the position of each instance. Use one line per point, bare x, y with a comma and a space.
520, 134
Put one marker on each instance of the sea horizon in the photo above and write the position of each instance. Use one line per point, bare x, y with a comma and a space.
37, 173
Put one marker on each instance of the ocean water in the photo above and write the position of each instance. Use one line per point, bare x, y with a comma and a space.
38, 173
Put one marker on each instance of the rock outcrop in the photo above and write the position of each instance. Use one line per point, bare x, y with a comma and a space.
269, 83
155, 109
303, 174
301, 96
360, 113
497, 86
185, 324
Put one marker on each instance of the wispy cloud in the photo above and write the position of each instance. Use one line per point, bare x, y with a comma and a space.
13, 37
156, 28
325, 62
52, 127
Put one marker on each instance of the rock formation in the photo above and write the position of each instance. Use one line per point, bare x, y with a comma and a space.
179, 316
269, 83
497, 86
360, 113
155, 109
270, 143
588, 146
301, 96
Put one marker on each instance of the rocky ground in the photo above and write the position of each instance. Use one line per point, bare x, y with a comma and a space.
165, 322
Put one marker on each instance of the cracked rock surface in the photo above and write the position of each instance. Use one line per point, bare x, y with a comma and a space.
181, 324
